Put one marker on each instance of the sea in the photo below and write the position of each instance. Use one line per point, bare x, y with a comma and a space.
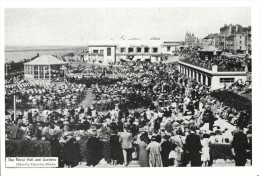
19, 53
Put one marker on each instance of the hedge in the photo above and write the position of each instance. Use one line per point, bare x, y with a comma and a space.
233, 100
221, 151
27, 148
36, 148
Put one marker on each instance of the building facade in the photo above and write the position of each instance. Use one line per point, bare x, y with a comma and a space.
191, 40
212, 40
236, 37
130, 50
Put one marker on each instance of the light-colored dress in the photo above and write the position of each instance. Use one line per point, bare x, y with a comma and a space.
155, 159
205, 150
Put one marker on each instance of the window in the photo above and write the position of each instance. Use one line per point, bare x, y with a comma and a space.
146, 50
46, 71
41, 71
122, 50
227, 80
130, 50
168, 48
101, 51
240, 42
108, 51
30, 69
155, 50
95, 51
139, 50
35, 71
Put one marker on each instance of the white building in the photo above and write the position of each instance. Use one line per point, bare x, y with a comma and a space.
125, 50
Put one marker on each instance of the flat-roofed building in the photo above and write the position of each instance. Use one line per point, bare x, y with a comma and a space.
131, 50
211, 75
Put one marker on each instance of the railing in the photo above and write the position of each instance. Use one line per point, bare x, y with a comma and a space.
220, 68
207, 66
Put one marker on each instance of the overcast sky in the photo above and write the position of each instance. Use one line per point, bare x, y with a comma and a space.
78, 26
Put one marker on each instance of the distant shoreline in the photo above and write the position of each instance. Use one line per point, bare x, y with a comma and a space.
28, 50
42, 48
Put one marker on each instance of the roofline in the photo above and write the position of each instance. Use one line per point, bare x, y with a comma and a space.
100, 45
46, 64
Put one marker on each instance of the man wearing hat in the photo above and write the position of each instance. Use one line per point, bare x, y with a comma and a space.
193, 148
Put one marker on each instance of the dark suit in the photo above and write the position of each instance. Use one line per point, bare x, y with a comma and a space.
240, 144
14, 131
193, 147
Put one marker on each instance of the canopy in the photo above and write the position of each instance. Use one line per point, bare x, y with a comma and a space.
46, 60
209, 49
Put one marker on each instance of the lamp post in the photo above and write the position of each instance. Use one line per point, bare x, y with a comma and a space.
14, 94
6, 69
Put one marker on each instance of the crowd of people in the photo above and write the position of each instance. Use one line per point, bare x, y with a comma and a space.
43, 97
240, 87
155, 115
224, 62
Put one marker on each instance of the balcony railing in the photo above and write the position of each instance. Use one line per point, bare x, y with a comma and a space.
207, 66
217, 68
230, 69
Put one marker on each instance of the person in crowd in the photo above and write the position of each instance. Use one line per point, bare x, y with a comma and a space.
205, 151
166, 149
177, 143
126, 143
115, 147
154, 149
56, 149
15, 131
94, 150
143, 154
67, 142
239, 147
193, 147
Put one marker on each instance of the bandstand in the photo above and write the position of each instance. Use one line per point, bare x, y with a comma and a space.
45, 69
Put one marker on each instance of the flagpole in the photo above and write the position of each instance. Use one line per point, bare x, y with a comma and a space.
14, 107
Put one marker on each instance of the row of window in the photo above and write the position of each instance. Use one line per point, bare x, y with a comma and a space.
138, 50
226, 80
131, 50
102, 51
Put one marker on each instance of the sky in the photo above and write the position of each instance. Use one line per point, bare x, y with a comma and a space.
78, 26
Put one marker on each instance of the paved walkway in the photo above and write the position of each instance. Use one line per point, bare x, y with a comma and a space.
134, 164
